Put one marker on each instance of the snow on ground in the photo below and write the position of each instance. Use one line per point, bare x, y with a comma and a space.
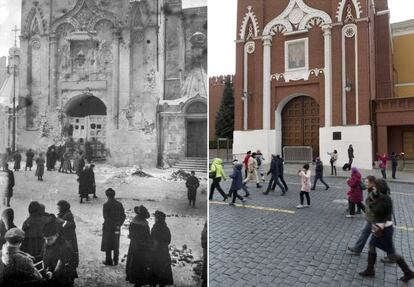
159, 192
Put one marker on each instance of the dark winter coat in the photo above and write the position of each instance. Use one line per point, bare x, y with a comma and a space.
138, 260
6, 223
192, 184
355, 194
379, 207
274, 168
86, 181
66, 162
40, 170
280, 165
161, 260
17, 160
63, 251
350, 152
68, 232
114, 217
319, 169
237, 177
29, 158
9, 178
33, 239
394, 161
91, 177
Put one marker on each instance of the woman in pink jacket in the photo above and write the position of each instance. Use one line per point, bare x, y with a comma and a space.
305, 175
355, 195
383, 164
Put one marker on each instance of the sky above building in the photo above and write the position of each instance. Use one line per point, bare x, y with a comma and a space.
10, 15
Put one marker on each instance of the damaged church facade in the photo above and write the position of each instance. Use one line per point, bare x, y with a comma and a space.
125, 77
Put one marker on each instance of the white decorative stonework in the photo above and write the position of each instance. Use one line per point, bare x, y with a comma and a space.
35, 43
349, 31
341, 8
299, 75
250, 47
254, 31
296, 15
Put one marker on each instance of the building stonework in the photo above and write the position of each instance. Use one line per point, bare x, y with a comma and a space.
102, 72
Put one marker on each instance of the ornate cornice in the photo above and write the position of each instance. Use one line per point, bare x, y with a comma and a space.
341, 9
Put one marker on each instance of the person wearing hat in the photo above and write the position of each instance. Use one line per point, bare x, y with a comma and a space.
8, 191
192, 184
319, 174
114, 217
138, 260
91, 178
17, 266
58, 257
161, 260
6, 223
67, 227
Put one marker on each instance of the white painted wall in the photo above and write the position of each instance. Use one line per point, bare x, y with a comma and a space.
264, 140
358, 136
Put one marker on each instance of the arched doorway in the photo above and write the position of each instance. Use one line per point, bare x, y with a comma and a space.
196, 126
86, 122
300, 123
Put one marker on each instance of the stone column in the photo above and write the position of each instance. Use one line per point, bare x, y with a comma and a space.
328, 74
115, 78
24, 50
249, 48
267, 45
53, 72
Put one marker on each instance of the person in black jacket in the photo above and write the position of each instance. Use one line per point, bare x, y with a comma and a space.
381, 207
275, 172
29, 159
67, 227
319, 174
281, 172
350, 156
114, 217
8, 191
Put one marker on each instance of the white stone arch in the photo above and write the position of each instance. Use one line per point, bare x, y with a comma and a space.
250, 15
341, 9
35, 15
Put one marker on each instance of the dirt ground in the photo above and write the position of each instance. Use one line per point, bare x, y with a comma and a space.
159, 192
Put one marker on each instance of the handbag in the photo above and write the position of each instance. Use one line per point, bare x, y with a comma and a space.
377, 231
212, 174
363, 186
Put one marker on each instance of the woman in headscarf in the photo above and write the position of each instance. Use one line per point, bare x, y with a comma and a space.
33, 226
67, 226
138, 260
6, 223
161, 260
355, 195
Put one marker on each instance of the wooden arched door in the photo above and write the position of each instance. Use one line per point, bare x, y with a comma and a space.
300, 123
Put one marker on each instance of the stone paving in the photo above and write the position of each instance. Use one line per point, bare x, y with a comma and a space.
305, 247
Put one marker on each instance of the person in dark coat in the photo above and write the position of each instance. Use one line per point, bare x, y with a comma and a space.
114, 217
192, 184
319, 174
33, 227
29, 159
81, 161
49, 156
236, 184
274, 171
58, 257
6, 223
161, 260
85, 184
394, 163
40, 169
91, 178
17, 267
17, 157
67, 227
350, 156
88, 152
8, 178
355, 194
67, 166
4, 160
138, 260
281, 173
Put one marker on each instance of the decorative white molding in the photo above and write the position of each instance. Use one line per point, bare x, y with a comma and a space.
296, 16
297, 75
341, 8
404, 85
249, 48
253, 29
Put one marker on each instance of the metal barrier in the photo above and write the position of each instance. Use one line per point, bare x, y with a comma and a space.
298, 154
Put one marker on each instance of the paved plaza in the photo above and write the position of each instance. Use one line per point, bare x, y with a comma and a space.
271, 243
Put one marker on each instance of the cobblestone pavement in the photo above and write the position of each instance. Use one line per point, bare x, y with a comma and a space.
271, 243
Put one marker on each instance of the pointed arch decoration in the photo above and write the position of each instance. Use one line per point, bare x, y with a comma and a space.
249, 17
341, 9
35, 22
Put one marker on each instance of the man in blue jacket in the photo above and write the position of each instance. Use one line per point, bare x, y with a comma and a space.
236, 184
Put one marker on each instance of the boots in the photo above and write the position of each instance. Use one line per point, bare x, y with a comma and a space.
258, 185
408, 274
370, 270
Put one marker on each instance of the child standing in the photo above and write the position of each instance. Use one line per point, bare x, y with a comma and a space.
305, 175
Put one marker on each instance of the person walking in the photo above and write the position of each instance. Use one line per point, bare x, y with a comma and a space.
245, 163
252, 171
114, 217
350, 156
236, 184
8, 191
281, 164
305, 175
17, 267
29, 159
40, 167
275, 172
33, 227
59, 258
383, 164
246, 191
355, 195
67, 227
334, 158
6, 223
66, 166
260, 159
319, 174
394, 163
161, 273
217, 174
192, 183
381, 208
91, 180
86, 179
138, 259
17, 157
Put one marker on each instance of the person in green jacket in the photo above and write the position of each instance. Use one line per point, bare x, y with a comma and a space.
217, 174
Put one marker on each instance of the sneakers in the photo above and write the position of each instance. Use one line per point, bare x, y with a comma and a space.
349, 216
299, 206
231, 204
306, 206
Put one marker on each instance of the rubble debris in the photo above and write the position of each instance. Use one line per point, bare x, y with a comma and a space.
141, 173
179, 175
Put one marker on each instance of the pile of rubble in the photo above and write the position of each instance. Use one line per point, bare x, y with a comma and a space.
179, 175
181, 257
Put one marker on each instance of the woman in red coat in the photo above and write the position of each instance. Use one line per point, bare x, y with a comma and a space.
355, 195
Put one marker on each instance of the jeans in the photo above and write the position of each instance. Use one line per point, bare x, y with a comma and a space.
363, 237
352, 207
216, 184
276, 181
282, 180
384, 173
302, 193
236, 195
333, 169
320, 177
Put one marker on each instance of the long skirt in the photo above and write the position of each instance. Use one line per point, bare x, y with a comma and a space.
40, 170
